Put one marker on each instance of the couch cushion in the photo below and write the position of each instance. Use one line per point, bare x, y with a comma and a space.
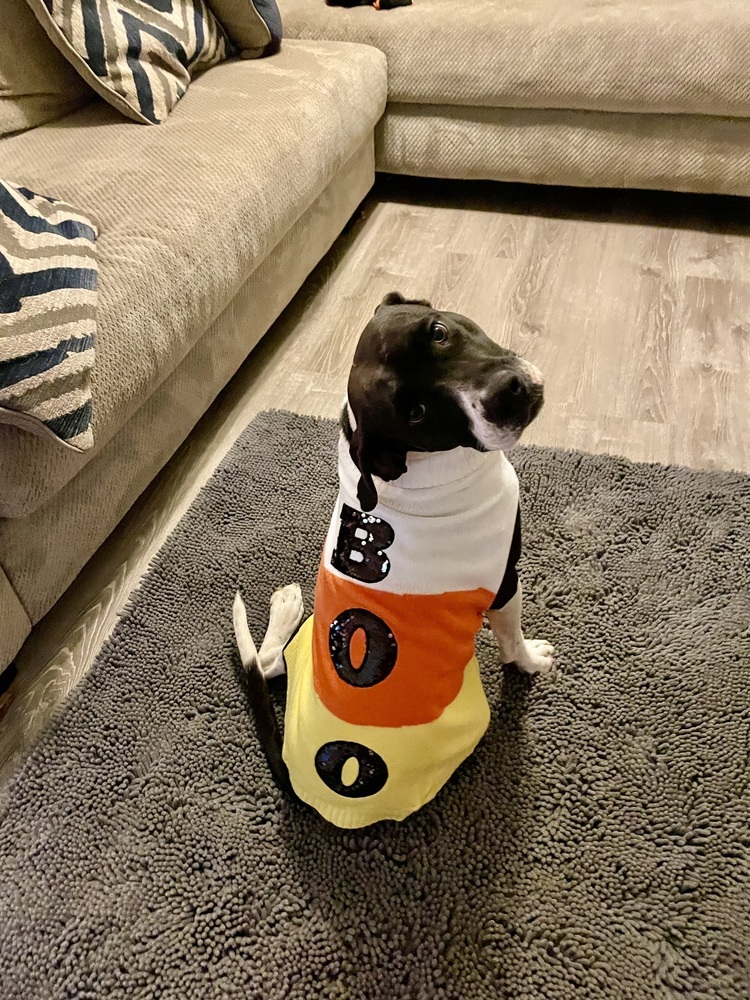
37, 83
48, 292
139, 55
15, 619
185, 213
677, 56
697, 153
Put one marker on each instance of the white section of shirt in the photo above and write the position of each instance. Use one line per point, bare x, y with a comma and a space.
452, 514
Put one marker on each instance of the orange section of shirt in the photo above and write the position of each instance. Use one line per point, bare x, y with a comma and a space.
434, 634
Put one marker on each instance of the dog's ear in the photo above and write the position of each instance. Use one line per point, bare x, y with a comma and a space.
374, 456
397, 299
372, 448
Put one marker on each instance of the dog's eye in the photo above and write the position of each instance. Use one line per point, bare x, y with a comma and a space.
439, 333
416, 413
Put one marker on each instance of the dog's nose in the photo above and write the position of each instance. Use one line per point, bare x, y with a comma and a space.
514, 397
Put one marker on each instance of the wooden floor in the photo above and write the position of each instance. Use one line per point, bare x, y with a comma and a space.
636, 307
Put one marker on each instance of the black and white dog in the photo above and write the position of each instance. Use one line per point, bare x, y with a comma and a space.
384, 698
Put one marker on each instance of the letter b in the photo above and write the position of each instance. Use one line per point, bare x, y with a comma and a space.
359, 547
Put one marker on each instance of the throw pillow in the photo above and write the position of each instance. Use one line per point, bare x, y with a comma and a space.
140, 55
37, 84
253, 25
48, 298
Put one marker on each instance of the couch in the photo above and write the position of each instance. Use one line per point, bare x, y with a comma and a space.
210, 222
208, 225
613, 93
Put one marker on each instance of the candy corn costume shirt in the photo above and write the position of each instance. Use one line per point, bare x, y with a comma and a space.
384, 696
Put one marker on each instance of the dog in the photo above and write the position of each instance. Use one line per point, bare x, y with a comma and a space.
384, 696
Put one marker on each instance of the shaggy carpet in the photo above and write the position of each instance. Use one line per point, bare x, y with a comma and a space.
597, 844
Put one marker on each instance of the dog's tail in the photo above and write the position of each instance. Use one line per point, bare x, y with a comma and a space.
259, 698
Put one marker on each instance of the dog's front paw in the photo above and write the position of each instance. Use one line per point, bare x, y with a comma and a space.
287, 609
538, 657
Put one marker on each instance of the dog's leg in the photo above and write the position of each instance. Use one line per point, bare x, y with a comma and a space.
533, 656
243, 638
287, 609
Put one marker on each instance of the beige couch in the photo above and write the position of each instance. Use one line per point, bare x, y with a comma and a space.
616, 93
209, 223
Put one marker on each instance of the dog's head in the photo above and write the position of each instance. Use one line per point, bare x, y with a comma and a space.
426, 380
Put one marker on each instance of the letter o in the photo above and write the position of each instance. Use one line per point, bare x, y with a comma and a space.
330, 760
380, 653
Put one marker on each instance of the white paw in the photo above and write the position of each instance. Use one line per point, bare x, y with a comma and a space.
538, 657
287, 610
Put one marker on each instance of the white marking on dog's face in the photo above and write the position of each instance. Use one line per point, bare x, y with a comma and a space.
489, 435
533, 373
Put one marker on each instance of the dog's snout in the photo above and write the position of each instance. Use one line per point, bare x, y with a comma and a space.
514, 384
514, 397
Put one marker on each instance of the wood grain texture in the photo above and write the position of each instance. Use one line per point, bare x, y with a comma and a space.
635, 305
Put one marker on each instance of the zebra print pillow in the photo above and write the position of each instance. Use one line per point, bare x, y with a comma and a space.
253, 25
48, 298
140, 55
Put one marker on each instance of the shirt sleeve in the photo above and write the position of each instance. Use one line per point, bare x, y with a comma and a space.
509, 584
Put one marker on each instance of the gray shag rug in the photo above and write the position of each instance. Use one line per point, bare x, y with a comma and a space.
597, 844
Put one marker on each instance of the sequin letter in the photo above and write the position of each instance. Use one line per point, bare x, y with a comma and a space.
360, 544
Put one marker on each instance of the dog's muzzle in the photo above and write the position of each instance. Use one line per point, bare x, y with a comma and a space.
514, 397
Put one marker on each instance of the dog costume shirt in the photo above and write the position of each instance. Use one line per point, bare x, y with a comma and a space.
384, 695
